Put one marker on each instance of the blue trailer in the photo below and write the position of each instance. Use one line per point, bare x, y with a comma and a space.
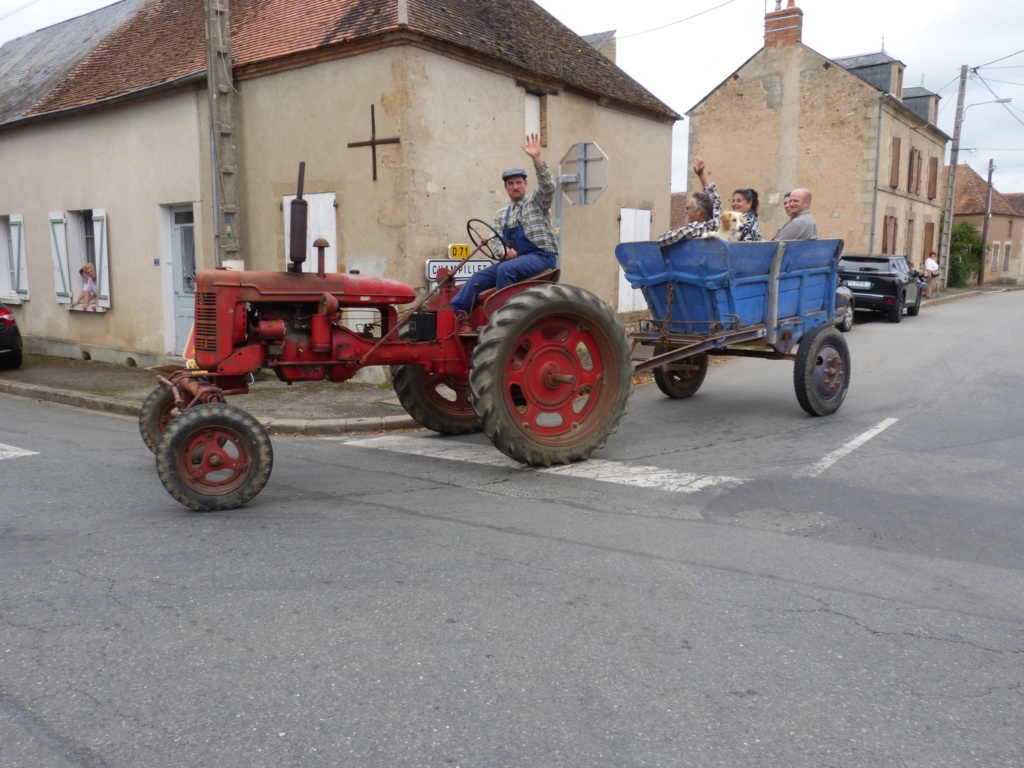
771, 300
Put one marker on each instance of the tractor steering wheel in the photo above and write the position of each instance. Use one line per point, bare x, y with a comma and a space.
482, 239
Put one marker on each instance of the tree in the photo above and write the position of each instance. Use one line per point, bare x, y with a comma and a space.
964, 255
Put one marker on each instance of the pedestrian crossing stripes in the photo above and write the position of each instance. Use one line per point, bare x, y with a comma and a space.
11, 452
593, 469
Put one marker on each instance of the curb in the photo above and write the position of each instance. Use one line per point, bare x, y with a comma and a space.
337, 426
274, 426
75, 399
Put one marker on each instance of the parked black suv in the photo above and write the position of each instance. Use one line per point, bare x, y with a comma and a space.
883, 283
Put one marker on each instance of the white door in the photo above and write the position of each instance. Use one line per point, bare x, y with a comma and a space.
634, 227
183, 256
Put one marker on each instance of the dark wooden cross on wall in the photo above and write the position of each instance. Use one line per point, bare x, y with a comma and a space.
374, 141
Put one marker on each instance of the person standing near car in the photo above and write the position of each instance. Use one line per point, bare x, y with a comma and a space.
529, 246
931, 274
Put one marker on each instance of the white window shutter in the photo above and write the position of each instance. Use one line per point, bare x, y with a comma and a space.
59, 251
20, 286
322, 222
634, 226
99, 230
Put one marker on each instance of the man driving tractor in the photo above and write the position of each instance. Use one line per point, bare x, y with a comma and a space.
529, 245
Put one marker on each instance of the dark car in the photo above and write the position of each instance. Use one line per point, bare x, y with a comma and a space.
882, 283
844, 308
10, 339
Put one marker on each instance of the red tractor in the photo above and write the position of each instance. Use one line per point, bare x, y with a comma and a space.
545, 373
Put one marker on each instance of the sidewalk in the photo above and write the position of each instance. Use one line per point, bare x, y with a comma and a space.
311, 408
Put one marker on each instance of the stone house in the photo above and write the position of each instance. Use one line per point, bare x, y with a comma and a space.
1004, 239
105, 150
847, 129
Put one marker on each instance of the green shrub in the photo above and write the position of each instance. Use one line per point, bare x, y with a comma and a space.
964, 255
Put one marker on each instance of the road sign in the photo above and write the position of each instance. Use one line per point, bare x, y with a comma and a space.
456, 253
583, 173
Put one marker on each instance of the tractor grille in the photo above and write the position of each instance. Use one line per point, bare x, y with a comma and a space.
206, 322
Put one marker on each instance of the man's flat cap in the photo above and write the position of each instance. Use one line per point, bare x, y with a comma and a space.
510, 172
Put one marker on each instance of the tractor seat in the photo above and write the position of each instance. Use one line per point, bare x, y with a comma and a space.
546, 276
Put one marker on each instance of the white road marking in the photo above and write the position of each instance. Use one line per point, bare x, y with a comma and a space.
817, 468
11, 452
593, 469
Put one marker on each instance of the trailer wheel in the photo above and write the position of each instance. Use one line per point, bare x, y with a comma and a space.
682, 378
550, 376
155, 414
821, 375
214, 457
439, 401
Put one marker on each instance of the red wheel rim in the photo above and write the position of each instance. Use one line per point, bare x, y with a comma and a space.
447, 393
214, 460
554, 378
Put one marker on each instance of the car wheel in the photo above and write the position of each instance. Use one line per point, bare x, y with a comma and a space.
896, 314
846, 324
916, 309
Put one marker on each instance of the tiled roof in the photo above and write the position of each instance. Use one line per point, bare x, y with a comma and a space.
971, 195
164, 43
915, 92
31, 66
1016, 199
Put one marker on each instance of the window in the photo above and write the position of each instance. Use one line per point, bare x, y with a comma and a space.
995, 255
322, 221
933, 177
929, 241
889, 229
1006, 257
13, 262
894, 166
77, 238
536, 109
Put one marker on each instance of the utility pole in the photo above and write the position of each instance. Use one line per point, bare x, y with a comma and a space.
223, 163
984, 227
954, 154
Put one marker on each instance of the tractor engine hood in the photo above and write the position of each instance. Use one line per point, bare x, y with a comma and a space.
282, 287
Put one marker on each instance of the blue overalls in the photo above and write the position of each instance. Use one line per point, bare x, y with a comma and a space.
530, 261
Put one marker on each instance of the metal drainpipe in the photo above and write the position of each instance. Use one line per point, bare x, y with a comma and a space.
878, 166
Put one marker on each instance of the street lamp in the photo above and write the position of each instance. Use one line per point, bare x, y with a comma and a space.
954, 153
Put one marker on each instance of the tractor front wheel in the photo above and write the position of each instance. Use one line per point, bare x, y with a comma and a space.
214, 457
440, 402
550, 376
157, 411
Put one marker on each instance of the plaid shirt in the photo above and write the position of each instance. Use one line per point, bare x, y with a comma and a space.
697, 228
534, 212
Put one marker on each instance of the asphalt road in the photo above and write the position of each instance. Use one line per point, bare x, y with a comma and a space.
729, 582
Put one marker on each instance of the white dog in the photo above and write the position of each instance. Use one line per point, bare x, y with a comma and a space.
731, 227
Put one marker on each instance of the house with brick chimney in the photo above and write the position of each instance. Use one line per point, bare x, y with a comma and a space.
404, 111
845, 128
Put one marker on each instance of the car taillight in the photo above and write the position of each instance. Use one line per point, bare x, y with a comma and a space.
7, 318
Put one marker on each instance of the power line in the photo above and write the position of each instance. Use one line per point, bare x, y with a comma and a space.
673, 23
1000, 59
16, 10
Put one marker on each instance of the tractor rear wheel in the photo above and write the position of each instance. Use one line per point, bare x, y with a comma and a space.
155, 414
438, 401
214, 457
551, 375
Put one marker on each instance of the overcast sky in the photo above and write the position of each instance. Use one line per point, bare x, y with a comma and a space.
680, 50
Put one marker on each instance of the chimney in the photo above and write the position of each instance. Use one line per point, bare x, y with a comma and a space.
783, 27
